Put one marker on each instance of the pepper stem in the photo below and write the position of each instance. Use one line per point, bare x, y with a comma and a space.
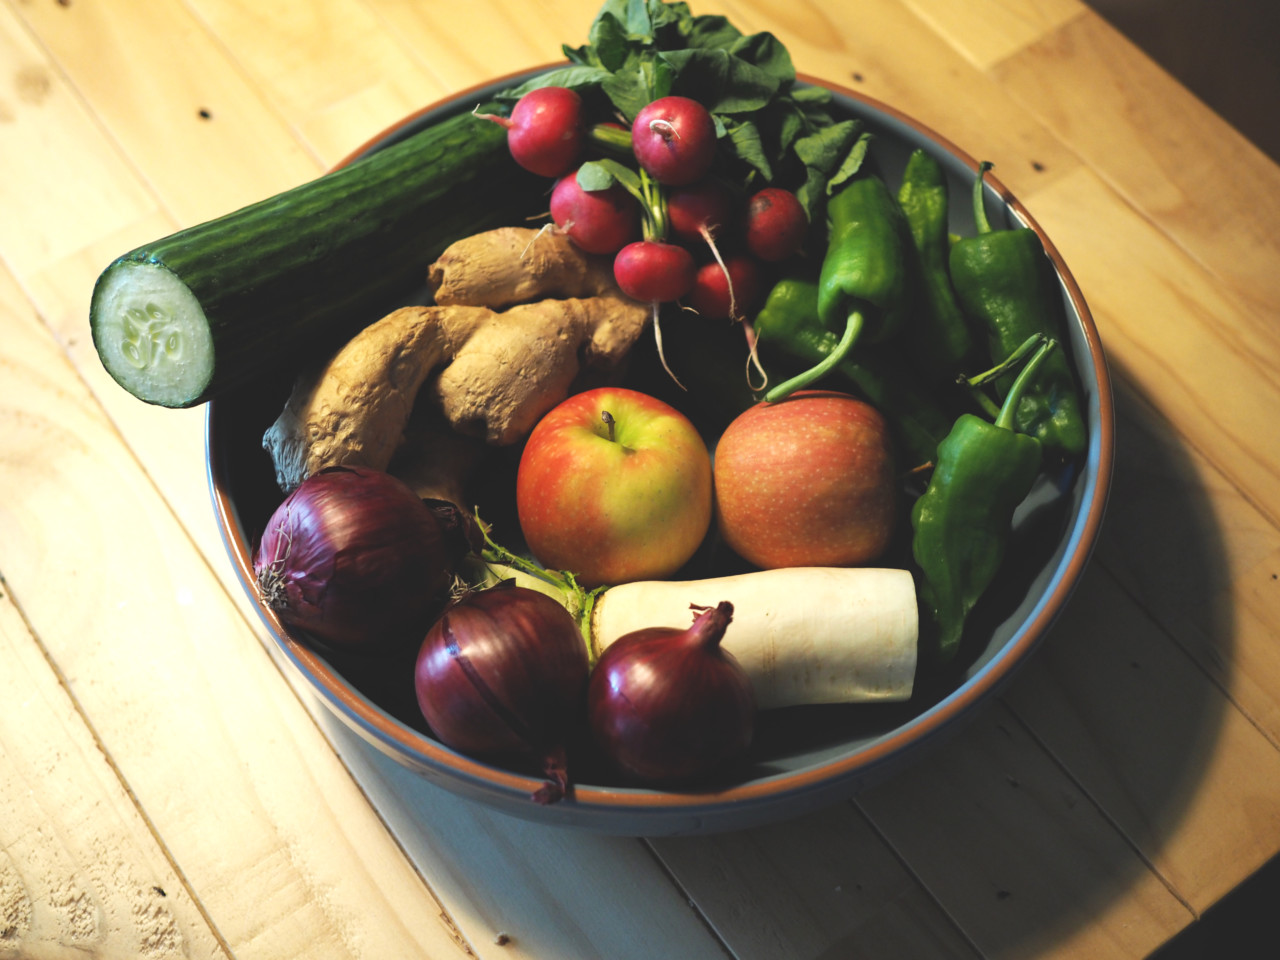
1028, 374
1008, 363
853, 327
979, 207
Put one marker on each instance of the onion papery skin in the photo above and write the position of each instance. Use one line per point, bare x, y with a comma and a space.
669, 706
501, 675
354, 557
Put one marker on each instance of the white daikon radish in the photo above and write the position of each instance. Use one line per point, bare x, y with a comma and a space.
805, 635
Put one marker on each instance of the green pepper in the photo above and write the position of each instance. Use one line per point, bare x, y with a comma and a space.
864, 289
962, 522
1003, 282
788, 324
940, 334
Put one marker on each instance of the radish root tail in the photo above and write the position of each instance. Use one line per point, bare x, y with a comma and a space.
753, 358
657, 340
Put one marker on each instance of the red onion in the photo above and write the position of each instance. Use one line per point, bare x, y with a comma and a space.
356, 558
669, 705
501, 675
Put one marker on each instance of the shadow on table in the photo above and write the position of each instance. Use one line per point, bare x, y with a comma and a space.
1113, 697
1120, 696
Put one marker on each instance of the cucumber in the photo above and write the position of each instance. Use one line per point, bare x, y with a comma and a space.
179, 320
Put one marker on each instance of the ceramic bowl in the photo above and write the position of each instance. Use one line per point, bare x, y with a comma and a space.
803, 758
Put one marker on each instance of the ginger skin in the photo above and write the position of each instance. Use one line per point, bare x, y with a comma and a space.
510, 265
498, 371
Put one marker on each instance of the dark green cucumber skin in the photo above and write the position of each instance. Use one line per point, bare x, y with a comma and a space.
301, 272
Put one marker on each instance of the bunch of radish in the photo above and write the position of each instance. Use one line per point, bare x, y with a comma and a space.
676, 231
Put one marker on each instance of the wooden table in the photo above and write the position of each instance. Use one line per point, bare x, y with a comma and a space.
165, 792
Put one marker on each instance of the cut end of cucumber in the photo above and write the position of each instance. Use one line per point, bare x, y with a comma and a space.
151, 333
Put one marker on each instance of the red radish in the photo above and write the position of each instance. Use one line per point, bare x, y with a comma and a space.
775, 224
545, 131
700, 211
597, 221
726, 292
654, 271
674, 139
659, 273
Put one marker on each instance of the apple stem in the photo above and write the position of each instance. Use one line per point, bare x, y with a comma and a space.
609, 422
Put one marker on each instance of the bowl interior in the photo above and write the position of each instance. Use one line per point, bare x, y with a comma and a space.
803, 757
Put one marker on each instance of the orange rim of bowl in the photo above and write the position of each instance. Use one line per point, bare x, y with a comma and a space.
428, 752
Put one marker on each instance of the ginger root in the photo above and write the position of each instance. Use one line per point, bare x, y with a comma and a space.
510, 265
491, 374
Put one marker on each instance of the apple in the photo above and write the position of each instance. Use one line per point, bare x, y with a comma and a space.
807, 481
614, 485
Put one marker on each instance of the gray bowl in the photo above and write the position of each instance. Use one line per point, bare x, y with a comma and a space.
804, 758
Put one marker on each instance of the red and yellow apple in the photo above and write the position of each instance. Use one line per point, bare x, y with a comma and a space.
614, 485
806, 481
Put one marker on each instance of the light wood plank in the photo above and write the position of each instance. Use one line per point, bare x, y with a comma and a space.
1192, 345
1183, 773
329, 66
80, 872
988, 31
517, 35
1020, 858
863, 49
146, 71
468, 856
1164, 152
1209, 579
179, 691
822, 885
174, 458
522, 889
64, 182
1044, 856
730, 877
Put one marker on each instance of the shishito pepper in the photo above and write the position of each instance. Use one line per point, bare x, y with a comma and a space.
864, 289
962, 522
1003, 282
788, 324
940, 335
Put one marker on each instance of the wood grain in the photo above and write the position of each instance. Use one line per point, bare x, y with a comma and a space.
329, 67
822, 885
1124, 783
1174, 330
1210, 579
146, 73
542, 891
65, 182
93, 879
864, 51
1184, 775
988, 31
517, 35
182, 696
1026, 864
1163, 151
